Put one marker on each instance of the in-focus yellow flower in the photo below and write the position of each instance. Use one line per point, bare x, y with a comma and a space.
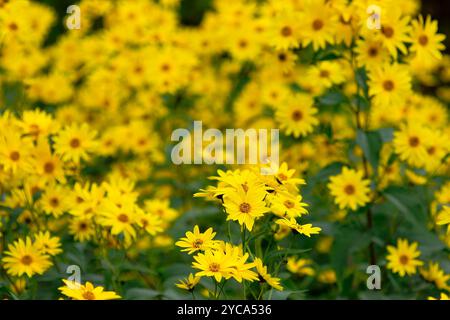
287, 205
402, 259
197, 241
285, 177
245, 207
305, 229
189, 283
77, 291
443, 296
265, 277
215, 264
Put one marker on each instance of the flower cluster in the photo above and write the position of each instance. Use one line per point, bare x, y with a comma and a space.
360, 93
264, 205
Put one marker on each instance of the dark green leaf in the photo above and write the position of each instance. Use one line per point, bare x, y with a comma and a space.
370, 143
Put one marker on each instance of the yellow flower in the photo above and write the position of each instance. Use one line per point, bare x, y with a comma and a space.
160, 208
119, 218
285, 177
415, 178
189, 283
350, 189
426, 42
327, 277
390, 85
371, 53
443, 296
37, 123
150, 222
284, 33
443, 218
46, 244
242, 269
305, 229
75, 142
285, 204
215, 264
49, 166
325, 243
301, 267
319, 23
245, 207
394, 31
77, 291
297, 115
326, 74
410, 144
435, 274
54, 200
82, 229
197, 241
15, 152
23, 257
265, 277
402, 259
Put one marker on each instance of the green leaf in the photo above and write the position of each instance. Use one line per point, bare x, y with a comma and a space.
347, 241
141, 294
361, 80
387, 134
286, 252
404, 201
371, 143
332, 98
330, 170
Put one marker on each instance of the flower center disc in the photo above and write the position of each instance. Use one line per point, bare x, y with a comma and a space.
244, 207
404, 259
349, 189
388, 85
88, 295
414, 141
214, 267
317, 24
14, 156
286, 31
27, 260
